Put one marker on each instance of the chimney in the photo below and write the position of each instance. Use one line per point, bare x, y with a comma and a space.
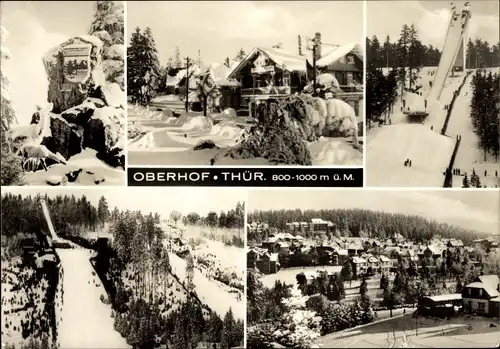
317, 41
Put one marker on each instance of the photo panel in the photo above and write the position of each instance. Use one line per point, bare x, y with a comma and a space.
366, 268
263, 83
123, 268
433, 94
63, 93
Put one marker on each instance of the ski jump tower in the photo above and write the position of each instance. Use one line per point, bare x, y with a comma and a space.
453, 55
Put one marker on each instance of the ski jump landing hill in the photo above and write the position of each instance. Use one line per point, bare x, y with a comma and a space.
430, 152
84, 320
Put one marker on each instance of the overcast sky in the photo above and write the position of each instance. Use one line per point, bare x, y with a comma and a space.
431, 19
478, 210
34, 27
146, 200
220, 28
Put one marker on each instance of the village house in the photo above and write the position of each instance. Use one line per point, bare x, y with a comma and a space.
445, 305
275, 73
434, 252
359, 266
483, 296
355, 249
385, 264
266, 263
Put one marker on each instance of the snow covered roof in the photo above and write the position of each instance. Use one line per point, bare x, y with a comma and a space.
492, 292
338, 52
446, 297
384, 259
220, 73
283, 59
358, 260
318, 221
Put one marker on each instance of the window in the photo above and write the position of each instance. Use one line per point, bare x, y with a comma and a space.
469, 291
286, 79
350, 60
480, 292
481, 306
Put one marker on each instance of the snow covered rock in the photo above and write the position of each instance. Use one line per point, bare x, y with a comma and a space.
66, 138
71, 68
111, 94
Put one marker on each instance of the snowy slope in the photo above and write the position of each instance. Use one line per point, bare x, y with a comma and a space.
85, 321
389, 146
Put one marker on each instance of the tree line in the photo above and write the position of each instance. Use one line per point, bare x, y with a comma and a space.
233, 218
68, 214
479, 53
362, 223
485, 108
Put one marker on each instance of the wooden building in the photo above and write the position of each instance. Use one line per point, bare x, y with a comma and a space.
483, 296
269, 73
446, 305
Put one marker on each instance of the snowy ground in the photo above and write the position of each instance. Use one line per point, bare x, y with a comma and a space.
212, 293
430, 152
85, 321
228, 260
14, 300
93, 172
469, 155
453, 333
163, 140
289, 275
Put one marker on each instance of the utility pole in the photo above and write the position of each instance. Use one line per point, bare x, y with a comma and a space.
187, 84
314, 66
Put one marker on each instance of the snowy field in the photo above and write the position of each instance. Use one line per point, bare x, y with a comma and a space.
166, 140
85, 321
289, 275
401, 332
390, 145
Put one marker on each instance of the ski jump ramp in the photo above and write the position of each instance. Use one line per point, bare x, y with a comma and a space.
46, 214
454, 49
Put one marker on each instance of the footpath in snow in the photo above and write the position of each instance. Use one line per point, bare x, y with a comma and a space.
85, 321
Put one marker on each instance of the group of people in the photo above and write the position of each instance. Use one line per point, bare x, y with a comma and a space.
407, 163
458, 172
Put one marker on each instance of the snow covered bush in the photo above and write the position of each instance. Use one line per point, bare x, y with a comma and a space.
299, 327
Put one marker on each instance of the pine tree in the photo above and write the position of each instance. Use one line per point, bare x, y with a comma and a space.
177, 58
143, 67
465, 182
402, 55
240, 55
228, 328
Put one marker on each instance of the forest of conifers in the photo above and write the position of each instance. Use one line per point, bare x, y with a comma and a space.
365, 223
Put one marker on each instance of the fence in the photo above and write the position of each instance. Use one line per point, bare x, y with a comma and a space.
450, 107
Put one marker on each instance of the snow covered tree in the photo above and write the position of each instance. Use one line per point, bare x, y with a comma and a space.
143, 66
177, 58
465, 182
108, 25
298, 327
109, 17
228, 331
11, 164
103, 210
240, 55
